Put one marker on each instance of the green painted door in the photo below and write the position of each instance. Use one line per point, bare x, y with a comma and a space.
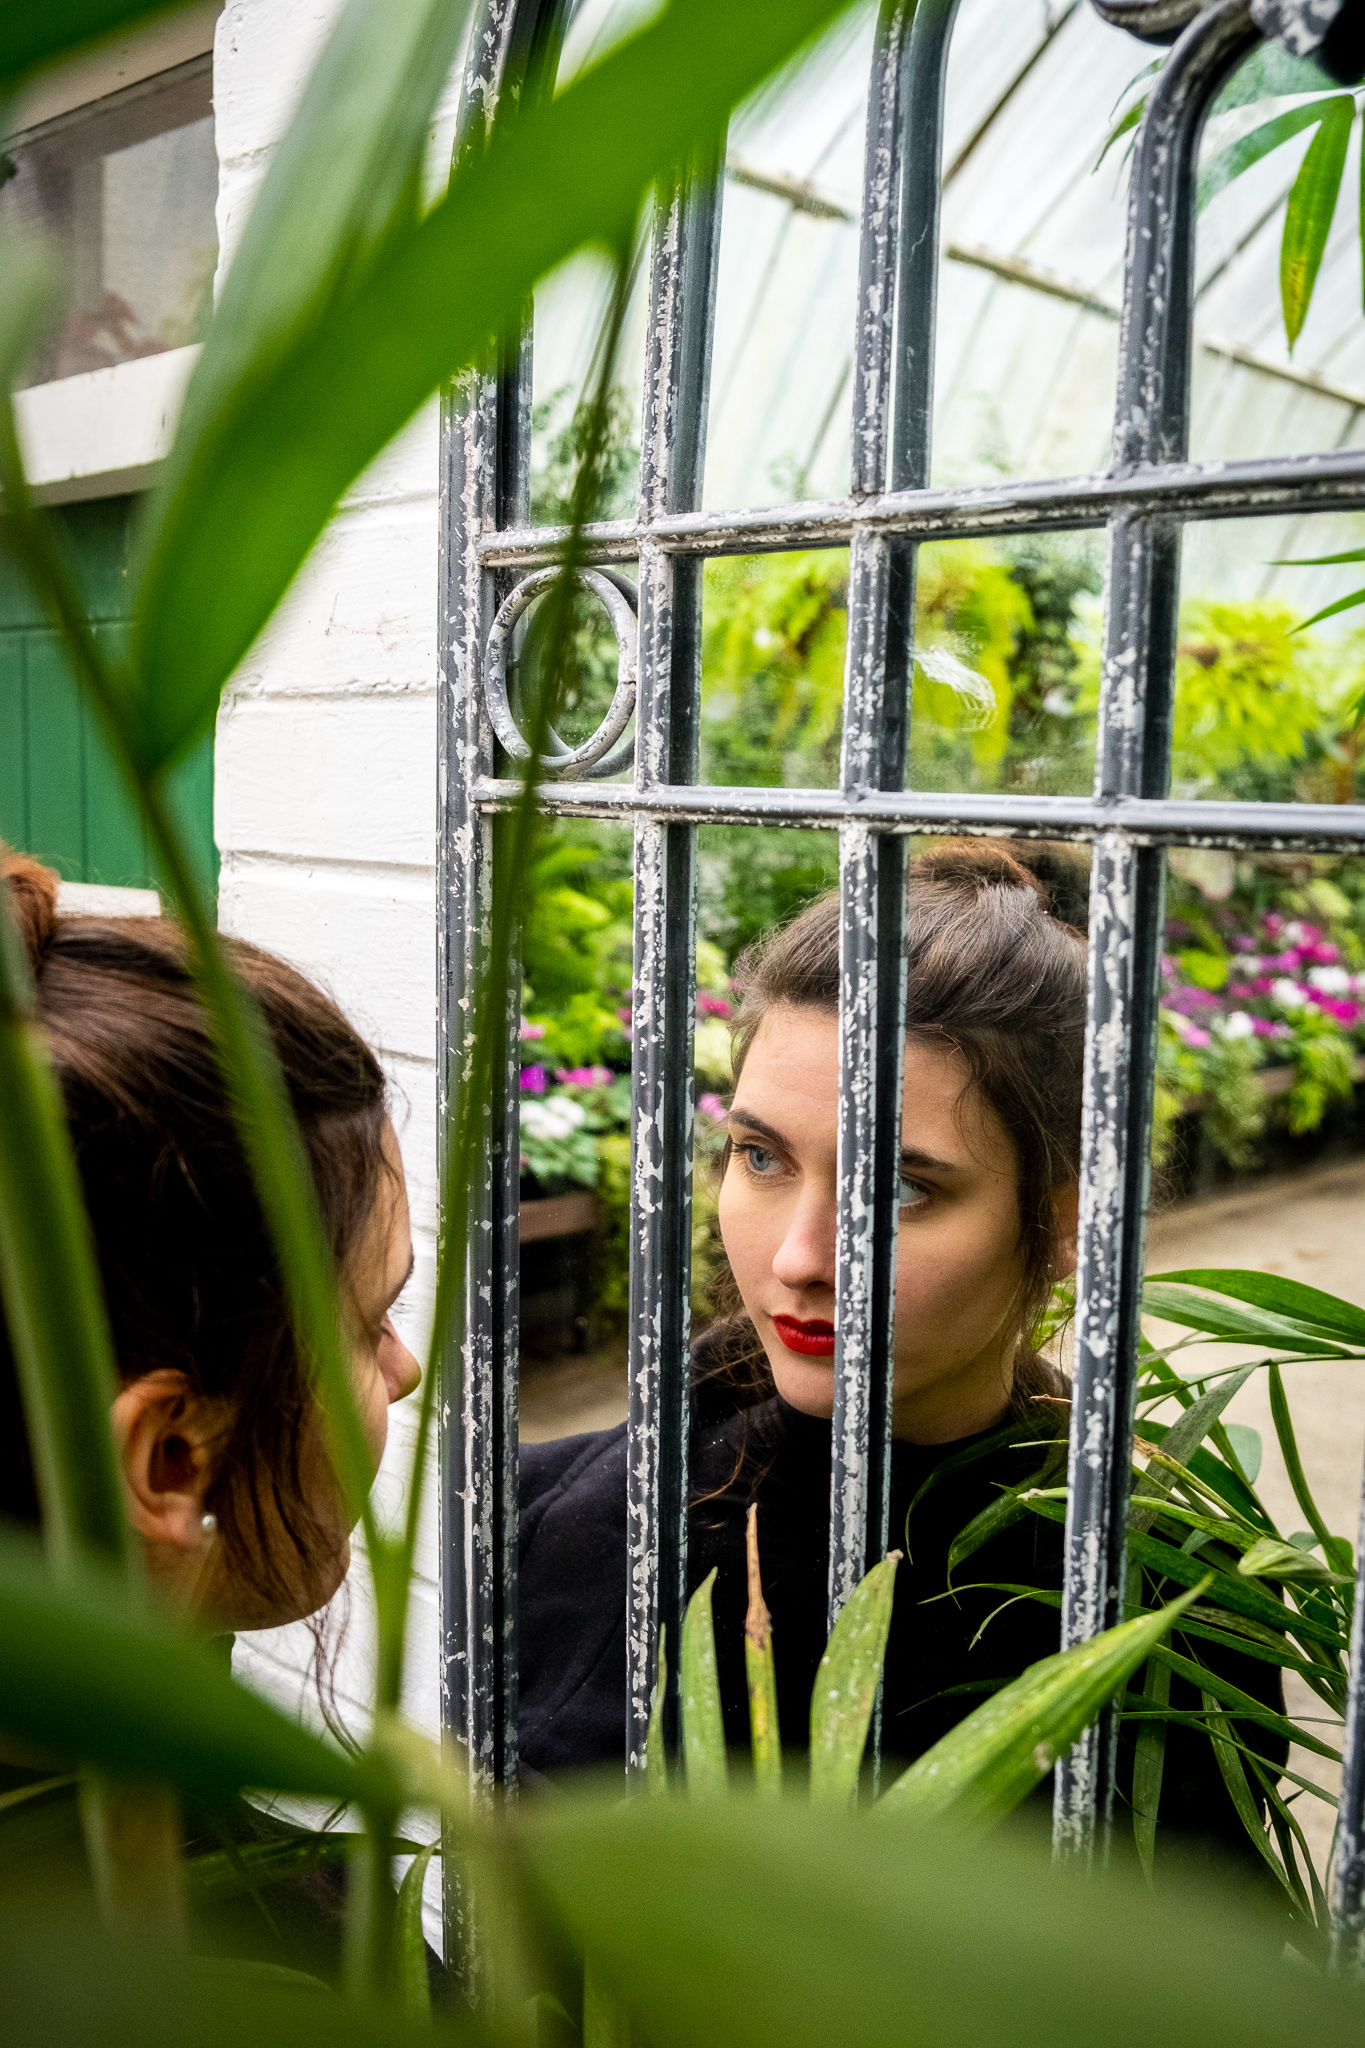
61, 797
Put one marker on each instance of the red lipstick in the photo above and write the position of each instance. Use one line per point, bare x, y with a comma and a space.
813, 1339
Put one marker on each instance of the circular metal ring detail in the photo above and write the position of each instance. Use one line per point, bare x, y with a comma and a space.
618, 601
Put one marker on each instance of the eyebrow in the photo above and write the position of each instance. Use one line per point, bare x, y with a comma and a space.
910, 1155
411, 1269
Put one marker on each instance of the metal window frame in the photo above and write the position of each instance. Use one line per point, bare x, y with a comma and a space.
1143, 500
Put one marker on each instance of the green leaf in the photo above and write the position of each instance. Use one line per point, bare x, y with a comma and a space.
1234, 1776
981, 1769
341, 183
31, 35
409, 1942
1247, 1448
846, 1684
1225, 1324
656, 1755
703, 1729
1149, 1762
50, 1287
1329, 611
773, 1924
261, 478
255, 1866
90, 1672
1239, 156
1307, 1306
1308, 217
1336, 1548
606, 2023
1271, 1559
760, 1672
1179, 1442
1271, 73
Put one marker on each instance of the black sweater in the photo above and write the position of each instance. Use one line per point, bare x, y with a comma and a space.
943, 1656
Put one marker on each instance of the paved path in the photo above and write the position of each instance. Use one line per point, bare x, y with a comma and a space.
1310, 1227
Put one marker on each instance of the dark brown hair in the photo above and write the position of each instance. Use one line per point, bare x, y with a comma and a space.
190, 1279
994, 974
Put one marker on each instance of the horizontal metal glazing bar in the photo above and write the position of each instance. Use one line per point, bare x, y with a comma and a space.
1146, 821
1331, 482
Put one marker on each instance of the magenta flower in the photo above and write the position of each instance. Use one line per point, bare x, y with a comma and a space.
533, 1080
712, 1006
583, 1077
711, 1107
1342, 1008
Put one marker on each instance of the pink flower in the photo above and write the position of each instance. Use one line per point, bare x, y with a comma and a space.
533, 1080
583, 1077
1323, 954
711, 1107
529, 1030
1242, 990
1273, 923
1263, 1028
1342, 1008
1242, 944
712, 1006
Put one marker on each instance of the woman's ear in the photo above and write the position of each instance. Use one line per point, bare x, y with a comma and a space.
1066, 1212
163, 1435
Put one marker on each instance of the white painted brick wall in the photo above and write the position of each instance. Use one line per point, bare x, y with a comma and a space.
325, 797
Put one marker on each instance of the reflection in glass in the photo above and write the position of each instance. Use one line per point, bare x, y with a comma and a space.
125, 192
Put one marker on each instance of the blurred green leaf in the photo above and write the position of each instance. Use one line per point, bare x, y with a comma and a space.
1307, 1306
410, 1947
50, 1286
656, 1754
1216, 175
761, 1673
258, 480
703, 1729
981, 1769
89, 1671
846, 1684
750, 1923
1308, 216
341, 183
254, 1866
32, 35
71, 1984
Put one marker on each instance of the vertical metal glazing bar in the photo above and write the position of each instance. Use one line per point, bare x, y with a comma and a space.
677, 377
898, 278
483, 482
1127, 882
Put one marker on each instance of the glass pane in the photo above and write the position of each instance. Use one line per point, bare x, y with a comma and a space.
125, 190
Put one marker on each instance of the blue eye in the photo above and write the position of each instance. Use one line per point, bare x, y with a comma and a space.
760, 1160
911, 1194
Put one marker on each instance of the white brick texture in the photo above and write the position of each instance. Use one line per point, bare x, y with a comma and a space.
325, 790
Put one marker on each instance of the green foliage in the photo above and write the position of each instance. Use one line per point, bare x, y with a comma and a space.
775, 629
1324, 1072
846, 1685
1310, 205
576, 939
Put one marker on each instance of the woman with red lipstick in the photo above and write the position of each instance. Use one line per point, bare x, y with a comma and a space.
988, 1206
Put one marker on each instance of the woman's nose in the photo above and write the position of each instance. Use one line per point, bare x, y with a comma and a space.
805, 1257
402, 1373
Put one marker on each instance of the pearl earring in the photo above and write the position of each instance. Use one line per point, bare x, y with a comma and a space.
209, 1525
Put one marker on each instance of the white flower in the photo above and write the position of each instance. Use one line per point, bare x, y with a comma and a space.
1236, 1025
1286, 994
1059, 703
1333, 981
550, 1116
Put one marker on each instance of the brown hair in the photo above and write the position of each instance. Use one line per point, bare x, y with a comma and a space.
994, 974
190, 1279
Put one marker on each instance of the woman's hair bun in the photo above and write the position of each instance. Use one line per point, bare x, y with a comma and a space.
1057, 876
32, 900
